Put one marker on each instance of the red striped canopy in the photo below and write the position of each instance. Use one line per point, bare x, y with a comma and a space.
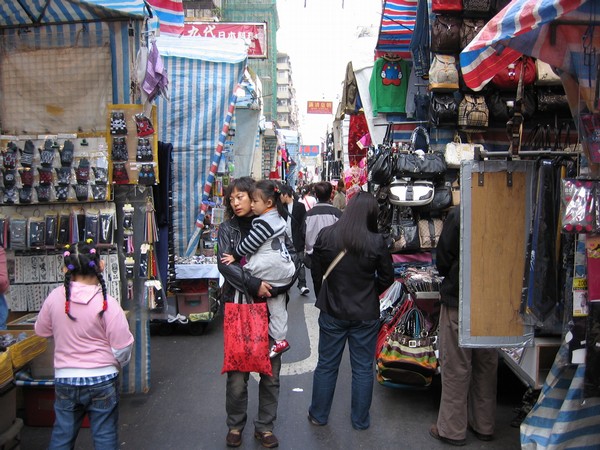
396, 27
559, 32
170, 15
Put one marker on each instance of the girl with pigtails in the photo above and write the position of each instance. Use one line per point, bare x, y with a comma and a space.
92, 343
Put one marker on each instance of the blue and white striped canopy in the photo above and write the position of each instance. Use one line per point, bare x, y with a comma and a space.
24, 13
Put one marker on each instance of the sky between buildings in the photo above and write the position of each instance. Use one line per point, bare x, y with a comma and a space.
321, 39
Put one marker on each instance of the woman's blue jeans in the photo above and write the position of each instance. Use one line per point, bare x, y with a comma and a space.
99, 401
362, 339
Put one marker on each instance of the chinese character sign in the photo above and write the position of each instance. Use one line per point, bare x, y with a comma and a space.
254, 33
319, 107
309, 150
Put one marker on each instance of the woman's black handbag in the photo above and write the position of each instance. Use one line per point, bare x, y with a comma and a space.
442, 198
501, 105
380, 168
443, 109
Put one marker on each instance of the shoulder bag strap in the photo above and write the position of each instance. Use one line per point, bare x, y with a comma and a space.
334, 263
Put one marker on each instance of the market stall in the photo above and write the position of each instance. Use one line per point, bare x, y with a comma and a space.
66, 103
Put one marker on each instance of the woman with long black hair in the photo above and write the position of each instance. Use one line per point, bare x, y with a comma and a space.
349, 306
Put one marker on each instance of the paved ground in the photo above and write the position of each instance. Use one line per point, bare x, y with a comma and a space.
185, 408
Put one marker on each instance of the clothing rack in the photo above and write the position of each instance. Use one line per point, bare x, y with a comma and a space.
406, 122
482, 153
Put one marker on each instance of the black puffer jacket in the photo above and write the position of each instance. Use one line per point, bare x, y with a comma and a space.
231, 232
447, 258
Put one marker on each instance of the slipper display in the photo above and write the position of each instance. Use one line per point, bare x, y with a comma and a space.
178, 318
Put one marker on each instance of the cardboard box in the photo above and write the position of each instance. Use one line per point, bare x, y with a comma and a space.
25, 350
42, 366
25, 322
39, 407
8, 407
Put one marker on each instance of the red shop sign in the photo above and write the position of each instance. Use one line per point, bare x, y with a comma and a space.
255, 33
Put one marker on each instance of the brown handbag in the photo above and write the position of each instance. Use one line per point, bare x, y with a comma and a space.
469, 29
430, 231
473, 113
445, 34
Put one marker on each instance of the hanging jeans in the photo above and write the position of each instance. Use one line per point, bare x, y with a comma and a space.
419, 44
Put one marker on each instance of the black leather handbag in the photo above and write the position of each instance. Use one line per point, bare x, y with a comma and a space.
442, 198
443, 109
501, 105
380, 169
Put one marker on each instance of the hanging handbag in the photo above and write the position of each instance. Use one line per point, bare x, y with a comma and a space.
380, 167
407, 192
457, 151
477, 7
430, 231
552, 100
473, 113
508, 78
443, 110
441, 6
404, 230
246, 336
469, 29
420, 162
322, 298
445, 34
501, 105
442, 198
443, 74
407, 356
546, 75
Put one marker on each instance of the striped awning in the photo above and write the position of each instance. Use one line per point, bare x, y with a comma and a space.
23, 13
559, 32
396, 27
170, 15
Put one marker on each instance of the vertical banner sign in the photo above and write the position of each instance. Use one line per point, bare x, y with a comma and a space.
254, 33
319, 107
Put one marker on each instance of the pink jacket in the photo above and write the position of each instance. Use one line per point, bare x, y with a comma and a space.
90, 341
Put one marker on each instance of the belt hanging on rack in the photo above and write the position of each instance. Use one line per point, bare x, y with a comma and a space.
514, 127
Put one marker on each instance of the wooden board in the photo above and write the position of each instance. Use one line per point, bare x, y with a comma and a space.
497, 253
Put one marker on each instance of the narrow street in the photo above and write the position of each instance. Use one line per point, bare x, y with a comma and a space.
185, 408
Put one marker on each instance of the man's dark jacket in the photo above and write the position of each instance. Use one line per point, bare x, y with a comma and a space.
447, 258
298, 215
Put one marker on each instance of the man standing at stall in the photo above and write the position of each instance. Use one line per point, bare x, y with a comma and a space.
296, 213
320, 216
469, 375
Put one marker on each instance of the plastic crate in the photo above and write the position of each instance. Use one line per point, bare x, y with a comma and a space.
8, 407
39, 407
193, 303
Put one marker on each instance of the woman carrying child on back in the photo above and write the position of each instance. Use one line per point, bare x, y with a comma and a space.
92, 342
267, 256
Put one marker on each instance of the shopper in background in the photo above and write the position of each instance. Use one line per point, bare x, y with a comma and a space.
339, 199
92, 343
306, 197
349, 306
238, 203
295, 215
4, 285
319, 217
469, 375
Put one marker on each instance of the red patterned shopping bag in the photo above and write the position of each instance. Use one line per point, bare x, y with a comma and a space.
246, 338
